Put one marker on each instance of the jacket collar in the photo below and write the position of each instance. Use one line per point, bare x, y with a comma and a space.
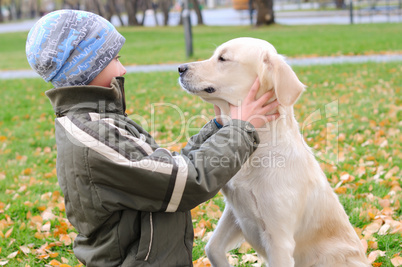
82, 99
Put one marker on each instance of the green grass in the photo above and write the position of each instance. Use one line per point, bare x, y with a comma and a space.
368, 116
166, 44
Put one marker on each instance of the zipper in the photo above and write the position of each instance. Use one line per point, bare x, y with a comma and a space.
152, 235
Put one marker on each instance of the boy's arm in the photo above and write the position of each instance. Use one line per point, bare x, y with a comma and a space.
216, 161
197, 140
126, 174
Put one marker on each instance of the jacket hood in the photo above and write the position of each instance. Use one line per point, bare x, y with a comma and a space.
88, 98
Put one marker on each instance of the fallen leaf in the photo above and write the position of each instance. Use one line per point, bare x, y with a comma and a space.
8, 233
199, 232
374, 255
251, 258
53, 255
66, 239
54, 263
244, 247
384, 229
25, 250
372, 228
397, 261
27, 171
46, 227
373, 245
13, 255
233, 260
340, 190
202, 262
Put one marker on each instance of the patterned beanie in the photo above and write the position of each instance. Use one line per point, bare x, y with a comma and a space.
71, 47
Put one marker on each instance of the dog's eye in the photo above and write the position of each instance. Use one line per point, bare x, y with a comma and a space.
221, 59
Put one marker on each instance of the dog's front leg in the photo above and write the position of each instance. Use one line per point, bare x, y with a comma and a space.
225, 237
281, 250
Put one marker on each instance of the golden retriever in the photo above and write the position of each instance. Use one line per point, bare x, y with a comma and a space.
280, 201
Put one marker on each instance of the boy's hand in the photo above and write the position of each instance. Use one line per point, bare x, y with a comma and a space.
254, 111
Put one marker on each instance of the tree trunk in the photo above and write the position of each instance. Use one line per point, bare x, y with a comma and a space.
340, 4
197, 9
1, 12
100, 9
265, 12
17, 9
131, 9
114, 9
154, 8
165, 6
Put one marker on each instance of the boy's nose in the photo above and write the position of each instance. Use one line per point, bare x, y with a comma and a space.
124, 71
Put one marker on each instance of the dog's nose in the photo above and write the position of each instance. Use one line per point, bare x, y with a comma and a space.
182, 69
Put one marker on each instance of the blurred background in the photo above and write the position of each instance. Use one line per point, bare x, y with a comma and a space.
210, 12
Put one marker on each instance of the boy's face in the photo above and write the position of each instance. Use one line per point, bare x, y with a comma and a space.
114, 69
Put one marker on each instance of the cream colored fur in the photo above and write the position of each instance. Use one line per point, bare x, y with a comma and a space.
280, 201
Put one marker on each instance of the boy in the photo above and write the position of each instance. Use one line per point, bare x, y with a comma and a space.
129, 200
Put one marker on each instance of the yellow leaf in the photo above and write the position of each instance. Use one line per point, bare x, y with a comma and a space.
27, 171
249, 258
199, 232
372, 228
13, 255
39, 235
202, 262
54, 263
43, 256
66, 239
42, 208
244, 247
8, 233
340, 190
22, 226
37, 219
375, 254
397, 261
25, 250
373, 245
53, 255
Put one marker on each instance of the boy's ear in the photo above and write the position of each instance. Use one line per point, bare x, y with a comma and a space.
278, 74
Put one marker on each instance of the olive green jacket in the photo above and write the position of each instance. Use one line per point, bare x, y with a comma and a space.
129, 199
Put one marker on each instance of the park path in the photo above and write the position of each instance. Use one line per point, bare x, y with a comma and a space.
22, 74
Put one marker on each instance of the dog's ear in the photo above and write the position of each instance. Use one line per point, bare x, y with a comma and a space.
278, 74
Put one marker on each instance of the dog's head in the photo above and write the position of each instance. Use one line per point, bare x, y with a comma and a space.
229, 74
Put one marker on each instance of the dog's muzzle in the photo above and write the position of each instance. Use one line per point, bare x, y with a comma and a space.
183, 69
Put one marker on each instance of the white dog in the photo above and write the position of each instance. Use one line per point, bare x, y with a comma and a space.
288, 211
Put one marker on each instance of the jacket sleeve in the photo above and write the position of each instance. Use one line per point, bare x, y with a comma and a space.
127, 173
197, 140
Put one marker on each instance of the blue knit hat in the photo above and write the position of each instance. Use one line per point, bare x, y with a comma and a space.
71, 47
